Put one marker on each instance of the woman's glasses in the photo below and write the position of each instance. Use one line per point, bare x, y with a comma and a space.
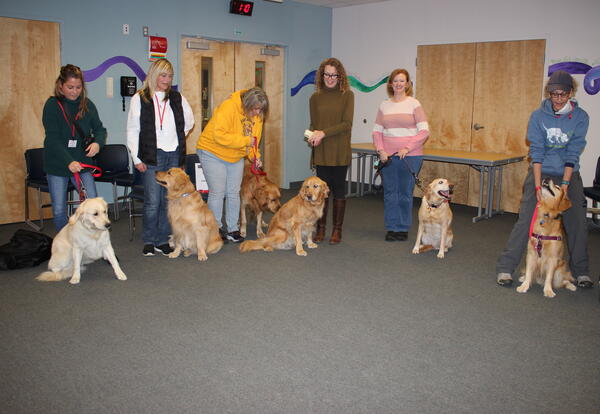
331, 75
559, 94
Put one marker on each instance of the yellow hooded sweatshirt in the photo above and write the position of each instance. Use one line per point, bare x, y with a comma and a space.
224, 136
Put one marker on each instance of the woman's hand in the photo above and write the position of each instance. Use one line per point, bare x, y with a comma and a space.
74, 166
402, 153
141, 167
92, 149
316, 138
383, 156
538, 193
258, 162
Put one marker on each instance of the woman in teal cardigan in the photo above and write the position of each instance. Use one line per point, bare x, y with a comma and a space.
67, 116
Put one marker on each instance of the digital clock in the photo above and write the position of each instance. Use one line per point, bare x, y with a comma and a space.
241, 7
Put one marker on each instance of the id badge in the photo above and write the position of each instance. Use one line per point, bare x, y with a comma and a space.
72, 143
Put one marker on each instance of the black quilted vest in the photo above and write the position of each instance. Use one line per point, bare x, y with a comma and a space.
147, 146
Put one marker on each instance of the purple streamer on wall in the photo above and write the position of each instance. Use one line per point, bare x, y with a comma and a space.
93, 74
574, 68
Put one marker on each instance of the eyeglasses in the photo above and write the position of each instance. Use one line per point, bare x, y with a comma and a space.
559, 95
331, 75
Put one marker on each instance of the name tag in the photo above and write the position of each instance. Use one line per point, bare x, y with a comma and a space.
72, 143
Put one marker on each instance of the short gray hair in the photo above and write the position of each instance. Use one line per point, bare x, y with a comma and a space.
255, 98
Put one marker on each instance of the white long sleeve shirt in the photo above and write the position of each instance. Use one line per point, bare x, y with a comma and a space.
166, 137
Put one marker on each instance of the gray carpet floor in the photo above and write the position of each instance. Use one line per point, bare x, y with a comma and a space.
362, 327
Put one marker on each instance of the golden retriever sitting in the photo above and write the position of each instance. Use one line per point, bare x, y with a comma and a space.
193, 225
545, 250
295, 221
435, 218
83, 240
260, 195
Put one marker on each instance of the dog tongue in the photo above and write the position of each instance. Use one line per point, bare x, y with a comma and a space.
445, 194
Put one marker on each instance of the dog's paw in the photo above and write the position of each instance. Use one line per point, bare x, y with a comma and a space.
187, 253
571, 287
301, 252
522, 278
173, 255
202, 257
260, 234
523, 288
549, 293
121, 275
243, 233
440, 255
74, 280
268, 249
416, 250
312, 245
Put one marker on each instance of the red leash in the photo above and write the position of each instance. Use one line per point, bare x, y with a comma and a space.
96, 172
254, 168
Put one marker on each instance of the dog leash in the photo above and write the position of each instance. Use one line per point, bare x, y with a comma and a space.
417, 179
96, 172
254, 168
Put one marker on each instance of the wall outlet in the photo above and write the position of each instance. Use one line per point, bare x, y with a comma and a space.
145, 31
125, 29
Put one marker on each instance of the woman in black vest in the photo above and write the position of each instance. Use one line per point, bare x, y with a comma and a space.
159, 119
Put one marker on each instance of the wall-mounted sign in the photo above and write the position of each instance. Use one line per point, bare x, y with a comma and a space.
157, 48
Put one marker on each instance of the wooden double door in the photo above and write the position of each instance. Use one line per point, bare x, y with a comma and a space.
212, 70
32, 50
478, 97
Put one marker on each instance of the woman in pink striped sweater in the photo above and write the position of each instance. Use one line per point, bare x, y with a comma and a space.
399, 133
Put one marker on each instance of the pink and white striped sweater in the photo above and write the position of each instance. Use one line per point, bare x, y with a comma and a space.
400, 125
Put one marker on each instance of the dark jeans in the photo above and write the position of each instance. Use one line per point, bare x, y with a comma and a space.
398, 187
335, 177
156, 222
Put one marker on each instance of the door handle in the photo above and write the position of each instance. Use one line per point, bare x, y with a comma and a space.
477, 127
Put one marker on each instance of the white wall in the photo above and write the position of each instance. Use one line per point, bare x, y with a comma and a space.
373, 39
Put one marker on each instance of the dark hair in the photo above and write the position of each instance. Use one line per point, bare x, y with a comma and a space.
342, 79
409, 86
67, 72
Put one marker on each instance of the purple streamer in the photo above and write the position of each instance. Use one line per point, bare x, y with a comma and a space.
307, 80
93, 74
591, 82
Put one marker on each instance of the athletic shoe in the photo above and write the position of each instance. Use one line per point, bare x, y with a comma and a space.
165, 249
148, 250
584, 282
223, 236
504, 279
235, 236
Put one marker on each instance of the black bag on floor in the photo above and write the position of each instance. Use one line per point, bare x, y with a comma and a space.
25, 249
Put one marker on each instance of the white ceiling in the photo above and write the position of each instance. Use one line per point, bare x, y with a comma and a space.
337, 3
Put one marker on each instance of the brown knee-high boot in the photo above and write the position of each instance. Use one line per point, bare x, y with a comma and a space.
320, 234
339, 208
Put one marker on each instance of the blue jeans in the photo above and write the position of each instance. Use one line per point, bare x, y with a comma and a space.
398, 186
224, 180
156, 221
58, 194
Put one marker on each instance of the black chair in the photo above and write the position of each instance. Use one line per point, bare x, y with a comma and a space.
594, 193
113, 159
190, 166
136, 193
36, 179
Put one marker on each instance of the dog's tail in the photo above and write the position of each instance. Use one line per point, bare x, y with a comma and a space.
50, 276
425, 248
250, 245
215, 244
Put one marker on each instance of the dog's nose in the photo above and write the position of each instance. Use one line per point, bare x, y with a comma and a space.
107, 225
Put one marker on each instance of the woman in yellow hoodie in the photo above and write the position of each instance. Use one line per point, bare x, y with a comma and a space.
232, 134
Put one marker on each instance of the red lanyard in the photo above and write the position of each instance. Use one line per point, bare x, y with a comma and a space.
254, 166
96, 172
67, 119
161, 116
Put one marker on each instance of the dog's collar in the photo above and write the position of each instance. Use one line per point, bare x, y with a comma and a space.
538, 242
436, 205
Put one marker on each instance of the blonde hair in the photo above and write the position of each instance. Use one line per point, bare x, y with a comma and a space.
343, 83
67, 72
157, 68
255, 98
409, 85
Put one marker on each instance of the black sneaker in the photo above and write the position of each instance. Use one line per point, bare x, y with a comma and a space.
389, 236
235, 236
401, 235
223, 236
148, 250
165, 249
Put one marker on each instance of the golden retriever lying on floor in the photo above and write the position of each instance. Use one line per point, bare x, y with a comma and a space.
83, 240
435, 218
193, 226
545, 250
295, 221
260, 195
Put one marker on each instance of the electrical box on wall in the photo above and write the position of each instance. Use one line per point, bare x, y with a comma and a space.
128, 87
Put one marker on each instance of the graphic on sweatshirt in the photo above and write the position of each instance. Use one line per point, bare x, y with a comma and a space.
555, 137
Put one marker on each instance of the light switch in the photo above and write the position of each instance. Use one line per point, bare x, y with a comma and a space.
109, 87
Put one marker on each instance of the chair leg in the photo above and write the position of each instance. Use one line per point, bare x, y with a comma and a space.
27, 219
115, 202
131, 218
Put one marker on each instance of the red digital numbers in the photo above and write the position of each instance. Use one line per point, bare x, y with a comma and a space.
241, 7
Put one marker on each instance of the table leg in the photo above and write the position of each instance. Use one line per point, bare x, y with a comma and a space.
481, 170
489, 208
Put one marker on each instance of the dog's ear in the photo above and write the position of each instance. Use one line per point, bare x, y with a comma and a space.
324, 191
78, 213
565, 203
